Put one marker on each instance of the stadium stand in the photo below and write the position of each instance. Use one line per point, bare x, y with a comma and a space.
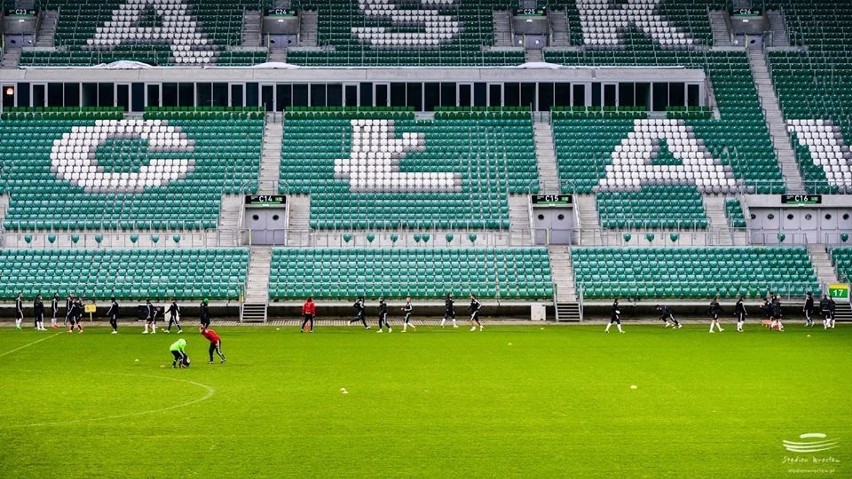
374, 33
139, 274
92, 170
734, 212
366, 169
814, 87
190, 32
678, 273
739, 139
515, 273
490, 152
841, 257
653, 207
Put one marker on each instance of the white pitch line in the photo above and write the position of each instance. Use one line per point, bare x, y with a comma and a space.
208, 395
28, 345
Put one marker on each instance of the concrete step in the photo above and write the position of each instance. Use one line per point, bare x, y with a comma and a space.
569, 312
589, 221
775, 124
230, 213
719, 28
299, 216
823, 266
562, 271
519, 220
559, 34
308, 21
534, 55
548, 172
254, 313
778, 28
502, 24
270, 163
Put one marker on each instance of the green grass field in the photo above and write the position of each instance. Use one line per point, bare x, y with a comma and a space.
548, 401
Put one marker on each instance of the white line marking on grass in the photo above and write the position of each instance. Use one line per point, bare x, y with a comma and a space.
29, 344
209, 393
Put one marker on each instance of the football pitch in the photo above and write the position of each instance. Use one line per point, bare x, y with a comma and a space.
511, 401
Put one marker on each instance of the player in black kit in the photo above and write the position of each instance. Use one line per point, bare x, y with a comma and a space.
614, 317
38, 310
54, 307
383, 316
741, 313
360, 310
174, 312
667, 317
449, 311
204, 314
809, 309
474, 307
715, 311
112, 314
407, 309
75, 316
19, 310
69, 305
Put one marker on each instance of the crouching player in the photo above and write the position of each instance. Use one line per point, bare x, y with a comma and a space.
215, 344
178, 349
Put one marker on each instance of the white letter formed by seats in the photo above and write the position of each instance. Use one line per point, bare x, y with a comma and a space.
438, 29
373, 163
824, 141
179, 29
632, 160
73, 156
604, 22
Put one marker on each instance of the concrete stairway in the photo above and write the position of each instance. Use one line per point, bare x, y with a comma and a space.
308, 21
778, 27
251, 28
519, 220
775, 121
559, 36
254, 308
714, 206
270, 160
279, 56
230, 213
4, 207
548, 172
562, 269
589, 222
843, 312
11, 57
534, 55
47, 30
563, 273
502, 20
719, 28
298, 221
822, 264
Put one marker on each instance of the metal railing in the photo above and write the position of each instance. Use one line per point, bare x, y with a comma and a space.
688, 289
154, 290
208, 238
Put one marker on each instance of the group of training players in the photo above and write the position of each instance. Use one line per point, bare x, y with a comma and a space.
771, 310
309, 311
74, 309
73, 312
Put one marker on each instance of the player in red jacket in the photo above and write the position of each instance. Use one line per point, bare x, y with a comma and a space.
309, 310
215, 343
